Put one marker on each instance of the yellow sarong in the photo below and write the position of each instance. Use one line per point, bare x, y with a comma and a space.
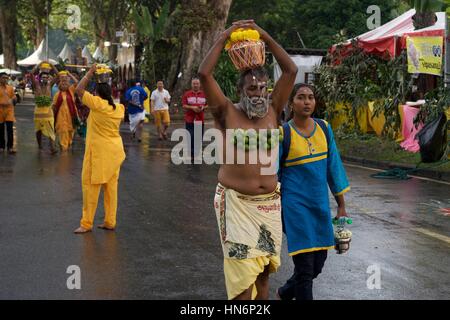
250, 232
44, 121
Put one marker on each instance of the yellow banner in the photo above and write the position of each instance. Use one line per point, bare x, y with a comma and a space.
425, 55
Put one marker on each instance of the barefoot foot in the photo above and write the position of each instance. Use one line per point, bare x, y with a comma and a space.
104, 227
82, 230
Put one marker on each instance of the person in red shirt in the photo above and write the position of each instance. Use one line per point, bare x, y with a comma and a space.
194, 105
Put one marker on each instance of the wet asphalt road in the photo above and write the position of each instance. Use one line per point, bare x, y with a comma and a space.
167, 245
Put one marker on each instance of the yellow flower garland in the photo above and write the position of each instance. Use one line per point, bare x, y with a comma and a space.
102, 68
242, 35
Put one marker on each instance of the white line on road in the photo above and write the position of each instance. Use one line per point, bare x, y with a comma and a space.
420, 230
433, 234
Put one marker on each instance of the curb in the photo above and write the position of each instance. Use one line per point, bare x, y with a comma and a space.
384, 165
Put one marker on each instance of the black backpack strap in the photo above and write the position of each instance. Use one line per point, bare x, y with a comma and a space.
323, 126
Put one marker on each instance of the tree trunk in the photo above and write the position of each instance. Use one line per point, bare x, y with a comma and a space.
107, 18
424, 19
40, 11
8, 26
195, 46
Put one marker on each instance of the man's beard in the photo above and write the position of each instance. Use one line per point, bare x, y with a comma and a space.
254, 106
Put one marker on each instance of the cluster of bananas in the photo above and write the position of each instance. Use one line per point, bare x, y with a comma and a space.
242, 35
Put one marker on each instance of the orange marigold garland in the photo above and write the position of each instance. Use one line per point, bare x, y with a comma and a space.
246, 49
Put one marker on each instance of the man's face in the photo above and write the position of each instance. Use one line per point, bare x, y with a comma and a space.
4, 79
45, 78
254, 97
255, 88
160, 85
195, 84
64, 83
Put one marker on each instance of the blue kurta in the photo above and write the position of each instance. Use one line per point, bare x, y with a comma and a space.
310, 168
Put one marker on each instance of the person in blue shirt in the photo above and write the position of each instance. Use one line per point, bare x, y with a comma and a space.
310, 164
135, 97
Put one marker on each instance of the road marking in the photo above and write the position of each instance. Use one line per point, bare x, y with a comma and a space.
420, 230
413, 176
433, 234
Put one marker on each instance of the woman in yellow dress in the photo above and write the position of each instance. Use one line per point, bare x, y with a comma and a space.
104, 152
65, 110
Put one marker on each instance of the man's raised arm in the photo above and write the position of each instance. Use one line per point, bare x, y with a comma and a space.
217, 101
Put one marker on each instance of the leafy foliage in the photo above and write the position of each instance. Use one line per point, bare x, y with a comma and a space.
320, 23
149, 33
436, 102
227, 77
359, 78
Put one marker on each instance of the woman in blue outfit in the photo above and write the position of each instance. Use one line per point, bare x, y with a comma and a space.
310, 163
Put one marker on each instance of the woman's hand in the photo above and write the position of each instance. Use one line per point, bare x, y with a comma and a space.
341, 212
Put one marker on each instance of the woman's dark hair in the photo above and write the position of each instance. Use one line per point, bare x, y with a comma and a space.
104, 92
297, 87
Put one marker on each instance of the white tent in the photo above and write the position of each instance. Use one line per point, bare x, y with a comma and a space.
66, 54
11, 72
98, 55
391, 36
304, 63
86, 54
1, 60
38, 56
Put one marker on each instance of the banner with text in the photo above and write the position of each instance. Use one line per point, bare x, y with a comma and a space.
425, 55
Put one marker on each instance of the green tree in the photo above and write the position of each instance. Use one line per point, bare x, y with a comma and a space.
317, 22
150, 30
32, 16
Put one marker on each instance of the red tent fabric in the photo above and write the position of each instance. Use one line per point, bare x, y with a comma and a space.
390, 38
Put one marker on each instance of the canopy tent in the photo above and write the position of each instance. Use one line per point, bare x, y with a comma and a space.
38, 56
87, 55
66, 54
11, 72
98, 55
2, 61
305, 65
391, 37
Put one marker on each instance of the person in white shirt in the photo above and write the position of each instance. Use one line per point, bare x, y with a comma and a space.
160, 100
